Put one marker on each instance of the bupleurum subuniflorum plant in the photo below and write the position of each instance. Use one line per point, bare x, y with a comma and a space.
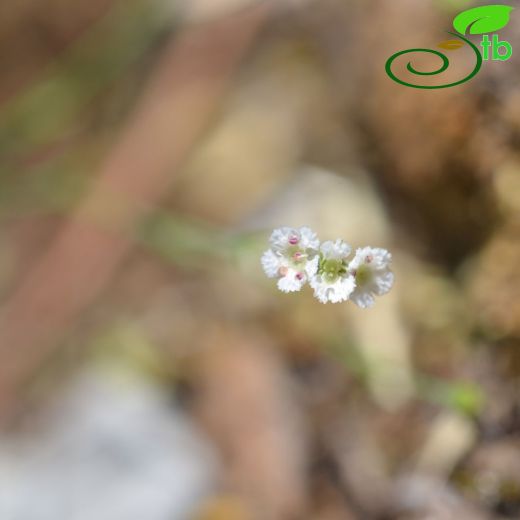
333, 272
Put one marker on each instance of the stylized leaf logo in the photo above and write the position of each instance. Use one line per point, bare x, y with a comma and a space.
484, 19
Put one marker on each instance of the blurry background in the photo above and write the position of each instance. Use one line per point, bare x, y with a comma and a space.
148, 369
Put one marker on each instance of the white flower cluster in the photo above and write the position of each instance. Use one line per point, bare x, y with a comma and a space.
296, 257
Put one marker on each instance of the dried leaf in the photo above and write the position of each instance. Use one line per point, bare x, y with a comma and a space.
451, 45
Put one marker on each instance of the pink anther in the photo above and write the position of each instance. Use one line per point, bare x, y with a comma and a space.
282, 271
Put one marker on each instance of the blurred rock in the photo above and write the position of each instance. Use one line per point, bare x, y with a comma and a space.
333, 206
450, 438
420, 497
385, 348
507, 183
113, 450
198, 10
491, 475
494, 284
360, 458
431, 300
244, 400
258, 140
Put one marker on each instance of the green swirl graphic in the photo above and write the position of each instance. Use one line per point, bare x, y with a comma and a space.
442, 68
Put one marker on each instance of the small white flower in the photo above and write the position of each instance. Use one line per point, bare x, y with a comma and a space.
295, 257
292, 258
332, 281
371, 269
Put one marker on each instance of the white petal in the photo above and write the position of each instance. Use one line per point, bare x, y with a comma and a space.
321, 290
359, 258
362, 298
322, 295
271, 263
336, 292
280, 237
337, 250
309, 239
311, 267
343, 289
384, 280
290, 283
381, 258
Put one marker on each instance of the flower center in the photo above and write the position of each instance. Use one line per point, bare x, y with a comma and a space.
363, 275
331, 269
296, 256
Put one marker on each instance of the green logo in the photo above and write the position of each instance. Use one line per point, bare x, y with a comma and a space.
479, 20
